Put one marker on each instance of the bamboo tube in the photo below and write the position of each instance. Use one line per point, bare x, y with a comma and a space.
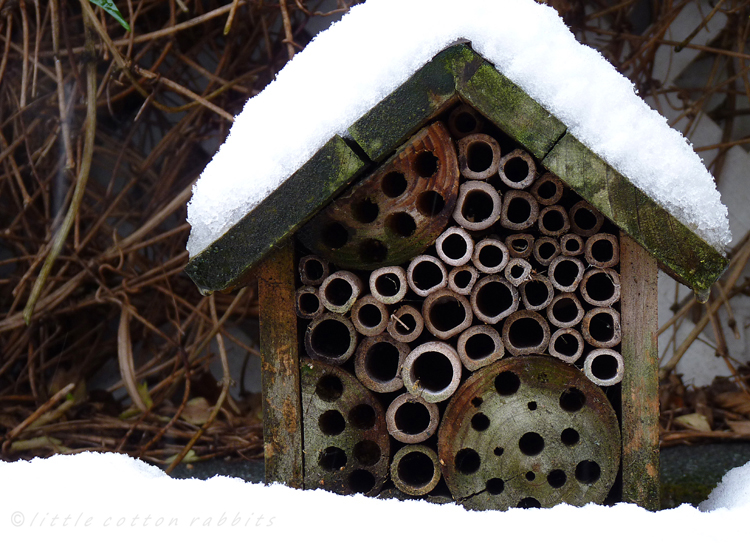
432, 371
571, 245
517, 170
455, 246
565, 310
331, 338
478, 156
446, 313
604, 367
585, 220
480, 346
546, 249
406, 324
379, 361
388, 285
493, 299
462, 279
369, 316
547, 190
463, 121
313, 270
415, 470
490, 255
520, 210
537, 293
478, 205
339, 291
525, 332
410, 419
602, 250
307, 304
426, 274
520, 245
601, 287
601, 327
517, 271
566, 344
554, 221
566, 273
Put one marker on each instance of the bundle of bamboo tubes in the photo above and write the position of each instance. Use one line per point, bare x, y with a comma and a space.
524, 267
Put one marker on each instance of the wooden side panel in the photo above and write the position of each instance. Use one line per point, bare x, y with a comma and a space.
678, 249
640, 385
282, 415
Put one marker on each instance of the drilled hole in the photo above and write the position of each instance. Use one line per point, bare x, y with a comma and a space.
332, 459
477, 206
402, 224
393, 184
412, 418
480, 422
373, 251
362, 416
588, 472
495, 486
532, 406
365, 211
507, 383
530, 476
430, 203
570, 437
416, 469
467, 461
498, 451
604, 367
426, 164
334, 235
529, 503
479, 346
366, 452
572, 400
361, 481
329, 388
531, 444
433, 370
479, 156
476, 402
381, 361
557, 478
331, 423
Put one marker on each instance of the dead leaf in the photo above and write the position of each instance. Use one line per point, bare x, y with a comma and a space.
740, 426
125, 359
197, 411
694, 421
739, 402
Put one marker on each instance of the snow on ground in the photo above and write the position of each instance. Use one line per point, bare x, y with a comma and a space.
111, 497
359, 60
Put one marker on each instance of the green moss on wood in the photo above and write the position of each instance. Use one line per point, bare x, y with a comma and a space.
225, 263
511, 109
675, 246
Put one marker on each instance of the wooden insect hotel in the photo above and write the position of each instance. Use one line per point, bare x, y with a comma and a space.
462, 306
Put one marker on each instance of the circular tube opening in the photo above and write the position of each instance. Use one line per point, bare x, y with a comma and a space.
382, 362
433, 370
393, 184
426, 164
412, 418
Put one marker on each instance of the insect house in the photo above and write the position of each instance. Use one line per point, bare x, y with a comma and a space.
458, 303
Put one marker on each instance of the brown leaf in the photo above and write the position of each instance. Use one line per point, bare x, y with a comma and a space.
739, 402
197, 411
740, 426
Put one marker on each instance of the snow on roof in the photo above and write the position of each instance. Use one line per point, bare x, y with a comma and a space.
360, 60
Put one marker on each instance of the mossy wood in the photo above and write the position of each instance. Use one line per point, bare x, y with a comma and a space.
457, 73
226, 263
640, 384
282, 428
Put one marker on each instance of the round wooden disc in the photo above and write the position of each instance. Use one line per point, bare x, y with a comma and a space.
529, 431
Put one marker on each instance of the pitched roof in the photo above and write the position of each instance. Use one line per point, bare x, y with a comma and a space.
457, 72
